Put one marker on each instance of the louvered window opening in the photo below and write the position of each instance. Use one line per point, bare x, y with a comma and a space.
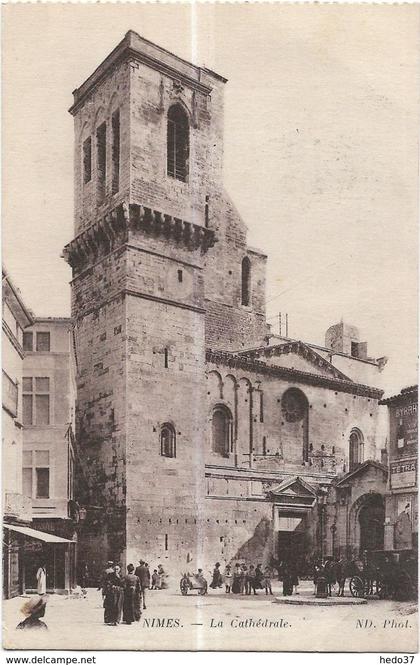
178, 144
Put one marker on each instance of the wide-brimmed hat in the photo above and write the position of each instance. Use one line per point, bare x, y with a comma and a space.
34, 605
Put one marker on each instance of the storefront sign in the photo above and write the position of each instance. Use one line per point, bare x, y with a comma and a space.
404, 428
403, 473
33, 546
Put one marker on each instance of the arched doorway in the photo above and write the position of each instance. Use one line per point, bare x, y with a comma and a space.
371, 521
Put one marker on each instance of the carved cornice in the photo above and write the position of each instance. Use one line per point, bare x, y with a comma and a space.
126, 53
115, 228
99, 238
258, 366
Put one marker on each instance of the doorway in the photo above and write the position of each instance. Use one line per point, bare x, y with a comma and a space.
290, 546
371, 521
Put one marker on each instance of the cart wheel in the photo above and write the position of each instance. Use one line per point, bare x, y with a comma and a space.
357, 587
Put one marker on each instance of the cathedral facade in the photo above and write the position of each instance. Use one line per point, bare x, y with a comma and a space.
201, 436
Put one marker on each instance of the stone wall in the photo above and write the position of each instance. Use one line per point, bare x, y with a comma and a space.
255, 401
113, 93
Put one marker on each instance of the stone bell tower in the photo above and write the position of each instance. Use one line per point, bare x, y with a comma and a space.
148, 158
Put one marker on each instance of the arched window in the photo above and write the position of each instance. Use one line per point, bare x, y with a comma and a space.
178, 143
294, 407
167, 440
246, 281
355, 449
221, 431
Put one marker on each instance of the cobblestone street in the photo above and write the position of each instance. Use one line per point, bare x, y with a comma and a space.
174, 622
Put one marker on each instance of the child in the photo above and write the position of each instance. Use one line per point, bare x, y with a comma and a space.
228, 579
155, 580
267, 581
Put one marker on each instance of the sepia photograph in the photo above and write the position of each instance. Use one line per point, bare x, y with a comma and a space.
209, 342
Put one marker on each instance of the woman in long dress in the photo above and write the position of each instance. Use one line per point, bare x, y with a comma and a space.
131, 606
237, 578
41, 578
217, 580
114, 596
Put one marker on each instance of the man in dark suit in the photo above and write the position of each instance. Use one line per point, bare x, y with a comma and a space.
143, 573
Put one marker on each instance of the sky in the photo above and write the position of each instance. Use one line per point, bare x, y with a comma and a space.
320, 151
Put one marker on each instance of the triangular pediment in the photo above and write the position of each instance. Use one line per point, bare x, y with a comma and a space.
293, 487
368, 468
298, 356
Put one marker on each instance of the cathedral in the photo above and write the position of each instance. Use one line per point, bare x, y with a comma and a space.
201, 436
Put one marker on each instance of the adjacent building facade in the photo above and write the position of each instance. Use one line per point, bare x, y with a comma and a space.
202, 436
17, 509
38, 455
401, 517
48, 451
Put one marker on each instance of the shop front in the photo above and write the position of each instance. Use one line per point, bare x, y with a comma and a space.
30, 549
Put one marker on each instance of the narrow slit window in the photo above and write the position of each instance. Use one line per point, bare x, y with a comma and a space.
101, 161
166, 542
246, 281
87, 160
166, 358
206, 213
264, 446
261, 407
115, 151
179, 275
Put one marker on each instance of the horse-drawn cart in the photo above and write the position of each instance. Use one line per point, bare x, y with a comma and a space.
191, 582
385, 574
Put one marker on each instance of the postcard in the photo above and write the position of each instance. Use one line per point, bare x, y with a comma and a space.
210, 327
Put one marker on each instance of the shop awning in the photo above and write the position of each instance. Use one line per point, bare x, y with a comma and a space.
38, 535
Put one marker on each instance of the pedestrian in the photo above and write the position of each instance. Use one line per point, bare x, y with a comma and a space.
317, 574
143, 573
114, 597
237, 577
131, 606
201, 580
108, 570
155, 580
250, 581
163, 576
267, 581
217, 580
84, 579
294, 575
259, 577
287, 579
228, 578
329, 573
341, 568
33, 609
41, 578
244, 575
